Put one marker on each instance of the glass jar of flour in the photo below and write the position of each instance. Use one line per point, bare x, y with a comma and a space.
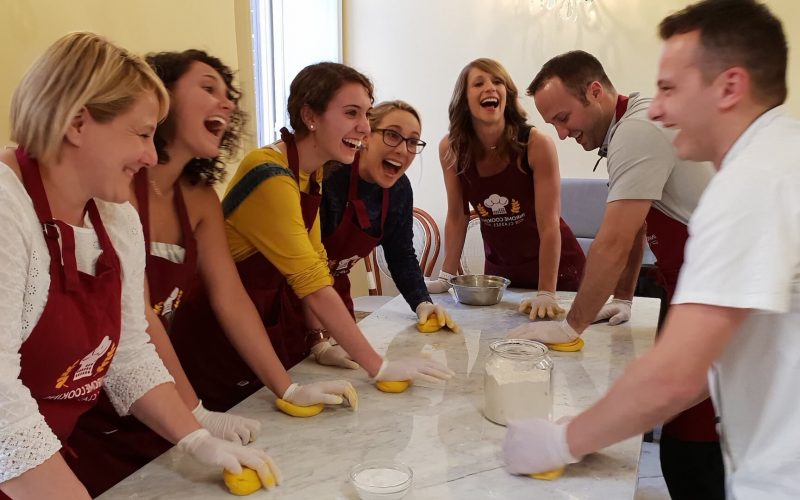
517, 381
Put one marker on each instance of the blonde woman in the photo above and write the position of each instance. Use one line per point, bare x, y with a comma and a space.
72, 267
369, 203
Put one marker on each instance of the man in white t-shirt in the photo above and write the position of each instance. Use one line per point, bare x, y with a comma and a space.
734, 327
650, 192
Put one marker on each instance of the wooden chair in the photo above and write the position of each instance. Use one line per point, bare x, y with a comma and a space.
427, 243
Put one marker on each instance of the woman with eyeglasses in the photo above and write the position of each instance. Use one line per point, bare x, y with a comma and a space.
273, 231
369, 203
508, 171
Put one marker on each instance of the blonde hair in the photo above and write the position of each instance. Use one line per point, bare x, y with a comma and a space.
80, 70
379, 111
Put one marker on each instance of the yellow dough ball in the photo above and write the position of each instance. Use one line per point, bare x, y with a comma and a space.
575, 345
298, 411
392, 386
242, 484
549, 475
430, 326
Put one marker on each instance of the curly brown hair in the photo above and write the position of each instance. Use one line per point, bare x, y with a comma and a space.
465, 148
170, 66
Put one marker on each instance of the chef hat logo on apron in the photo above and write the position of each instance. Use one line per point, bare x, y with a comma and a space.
497, 204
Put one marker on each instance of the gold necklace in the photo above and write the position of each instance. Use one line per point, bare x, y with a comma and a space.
156, 189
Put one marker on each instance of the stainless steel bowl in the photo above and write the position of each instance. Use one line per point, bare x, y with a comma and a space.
479, 289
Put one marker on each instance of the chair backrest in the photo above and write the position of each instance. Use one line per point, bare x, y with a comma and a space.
426, 241
472, 255
583, 204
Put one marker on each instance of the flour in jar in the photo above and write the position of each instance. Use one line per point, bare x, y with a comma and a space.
511, 393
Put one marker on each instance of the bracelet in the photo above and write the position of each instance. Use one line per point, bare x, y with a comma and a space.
317, 334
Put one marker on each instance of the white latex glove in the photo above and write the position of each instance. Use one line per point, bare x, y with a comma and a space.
227, 426
413, 369
330, 392
425, 309
547, 332
440, 285
332, 355
536, 445
617, 311
209, 450
542, 305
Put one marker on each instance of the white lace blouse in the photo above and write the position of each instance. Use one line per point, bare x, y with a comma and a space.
25, 439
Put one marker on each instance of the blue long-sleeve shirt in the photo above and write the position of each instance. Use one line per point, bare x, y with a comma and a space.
397, 232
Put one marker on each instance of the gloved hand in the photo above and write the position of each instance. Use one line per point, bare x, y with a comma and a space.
209, 450
547, 332
542, 305
536, 445
412, 369
330, 392
227, 426
332, 355
617, 311
440, 285
425, 309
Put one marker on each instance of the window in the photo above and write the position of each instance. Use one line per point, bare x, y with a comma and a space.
288, 35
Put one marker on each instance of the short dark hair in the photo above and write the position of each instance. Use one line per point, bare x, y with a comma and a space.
315, 85
170, 67
576, 69
736, 33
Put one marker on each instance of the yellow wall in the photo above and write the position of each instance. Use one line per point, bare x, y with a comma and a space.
28, 27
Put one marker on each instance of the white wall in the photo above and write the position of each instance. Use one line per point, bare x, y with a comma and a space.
414, 50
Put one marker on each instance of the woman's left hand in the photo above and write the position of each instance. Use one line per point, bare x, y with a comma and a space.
332, 355
425, 309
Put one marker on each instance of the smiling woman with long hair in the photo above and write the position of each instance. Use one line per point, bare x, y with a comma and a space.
508, 171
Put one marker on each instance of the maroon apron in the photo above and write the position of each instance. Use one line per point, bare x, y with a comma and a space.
667, 239
65, 358
102, 439
350, 241
218, 374
505, 204
168, 281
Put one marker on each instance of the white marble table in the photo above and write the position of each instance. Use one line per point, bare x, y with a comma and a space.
437, 429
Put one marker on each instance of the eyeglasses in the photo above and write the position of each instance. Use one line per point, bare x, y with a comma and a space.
393, 139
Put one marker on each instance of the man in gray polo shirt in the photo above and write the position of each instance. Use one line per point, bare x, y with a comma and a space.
652, 193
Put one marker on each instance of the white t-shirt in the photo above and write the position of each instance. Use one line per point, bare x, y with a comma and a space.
25, 438
744, 252
642, 164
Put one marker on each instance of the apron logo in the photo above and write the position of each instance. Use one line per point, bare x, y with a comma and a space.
497, 204
338, 267
515, 208
87, 363
170, 304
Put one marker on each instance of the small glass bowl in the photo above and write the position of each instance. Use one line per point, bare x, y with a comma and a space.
381, 479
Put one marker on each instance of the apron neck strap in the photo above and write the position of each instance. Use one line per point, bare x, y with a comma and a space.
622, 106
140, 187
288, 138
